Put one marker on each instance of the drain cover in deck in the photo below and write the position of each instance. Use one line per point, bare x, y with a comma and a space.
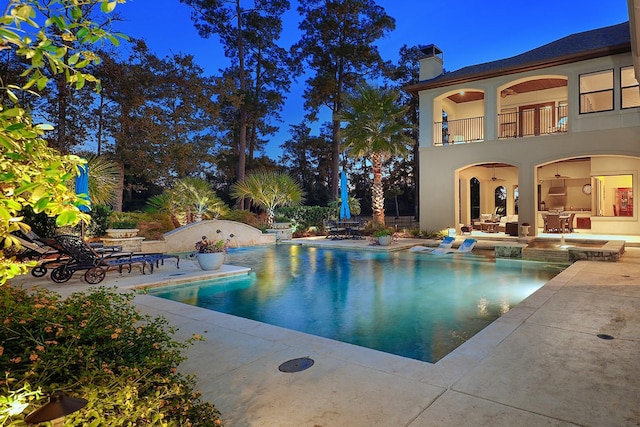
296, 365
605, 336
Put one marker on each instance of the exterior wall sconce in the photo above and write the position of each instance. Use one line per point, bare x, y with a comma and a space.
59, 406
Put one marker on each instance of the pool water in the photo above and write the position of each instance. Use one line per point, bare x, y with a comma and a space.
414, 305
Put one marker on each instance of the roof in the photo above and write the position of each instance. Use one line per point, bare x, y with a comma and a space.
575, 47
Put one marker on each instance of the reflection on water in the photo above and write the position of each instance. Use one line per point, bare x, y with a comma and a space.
414, 305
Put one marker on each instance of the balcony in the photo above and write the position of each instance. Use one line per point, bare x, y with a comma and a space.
527, 121
459, 131
533, 121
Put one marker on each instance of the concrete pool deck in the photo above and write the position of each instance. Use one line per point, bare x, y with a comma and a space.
542, 363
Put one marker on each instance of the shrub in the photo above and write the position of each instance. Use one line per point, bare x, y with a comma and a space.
305, 217
96, 345
245, 217
99, 220
380, 232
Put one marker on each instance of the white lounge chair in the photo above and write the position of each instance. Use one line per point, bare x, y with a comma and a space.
446, 243
466, 246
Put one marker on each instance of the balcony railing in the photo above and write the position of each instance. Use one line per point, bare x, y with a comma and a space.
459, 131
532, 122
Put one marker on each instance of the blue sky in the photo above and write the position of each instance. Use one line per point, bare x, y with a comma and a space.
468, 31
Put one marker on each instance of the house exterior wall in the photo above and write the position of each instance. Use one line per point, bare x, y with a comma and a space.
610, 138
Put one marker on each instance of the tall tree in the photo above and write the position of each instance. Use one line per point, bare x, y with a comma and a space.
338, 44
375, 130
305, 157
404, 73
248, 35
158, 113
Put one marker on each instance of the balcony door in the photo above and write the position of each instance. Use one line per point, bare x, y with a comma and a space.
536, 118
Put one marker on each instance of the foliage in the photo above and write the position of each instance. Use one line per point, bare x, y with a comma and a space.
41, 223
306, 159
251, 88
206, 246
354, 207
104, 176
123, 220
189, 200
339, 47
269, 190
384, 231
99, 221
304, 218
245, 217
375, 130
97, 346
32, 173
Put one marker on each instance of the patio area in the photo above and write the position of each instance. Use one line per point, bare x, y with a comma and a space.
542, 363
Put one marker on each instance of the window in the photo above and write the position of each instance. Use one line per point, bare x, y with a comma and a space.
629, 88
596, 92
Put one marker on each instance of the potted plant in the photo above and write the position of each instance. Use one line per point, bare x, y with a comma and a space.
524, 229
210, 253
122, 226
384, 236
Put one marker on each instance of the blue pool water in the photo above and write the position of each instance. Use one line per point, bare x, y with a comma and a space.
410, 304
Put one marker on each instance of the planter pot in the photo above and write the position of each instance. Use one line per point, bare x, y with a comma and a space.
211, 261
385, 240
280, 225
122, 233
524, 230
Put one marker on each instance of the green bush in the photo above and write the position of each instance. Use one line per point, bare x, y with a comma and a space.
305, 217
99, 221
40, 223
96, 345
245, 217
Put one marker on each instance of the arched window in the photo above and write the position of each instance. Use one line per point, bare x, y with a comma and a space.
500, 201
474, 196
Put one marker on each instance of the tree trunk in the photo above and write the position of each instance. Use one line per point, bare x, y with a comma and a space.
377, 192
242, 137
335, 158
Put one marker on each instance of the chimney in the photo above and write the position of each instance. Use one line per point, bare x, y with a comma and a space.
431, 65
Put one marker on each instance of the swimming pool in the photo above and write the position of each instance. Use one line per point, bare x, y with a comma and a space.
410, 304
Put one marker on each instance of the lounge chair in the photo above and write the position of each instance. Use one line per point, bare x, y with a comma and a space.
83, 257
465, 247
446, 243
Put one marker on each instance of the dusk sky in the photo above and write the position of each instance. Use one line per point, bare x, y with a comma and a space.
469, 32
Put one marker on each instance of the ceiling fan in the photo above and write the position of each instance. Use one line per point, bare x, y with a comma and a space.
494, 177
557, 175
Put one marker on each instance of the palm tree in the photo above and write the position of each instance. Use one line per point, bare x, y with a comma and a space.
190, 199
375, 130
268, 190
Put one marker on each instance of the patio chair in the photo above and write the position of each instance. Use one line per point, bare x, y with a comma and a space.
465, 247
446, 243
46, 254
552, 223
569, 222
83, 257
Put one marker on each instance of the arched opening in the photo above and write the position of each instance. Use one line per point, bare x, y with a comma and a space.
474, 198
500, 201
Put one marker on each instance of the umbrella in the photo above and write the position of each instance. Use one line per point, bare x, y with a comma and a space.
345, 212
82, 186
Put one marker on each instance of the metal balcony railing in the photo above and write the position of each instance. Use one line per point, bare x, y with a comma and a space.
530, 122
533, 122
459, 131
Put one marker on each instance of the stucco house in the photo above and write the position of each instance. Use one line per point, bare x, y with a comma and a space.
557, 127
